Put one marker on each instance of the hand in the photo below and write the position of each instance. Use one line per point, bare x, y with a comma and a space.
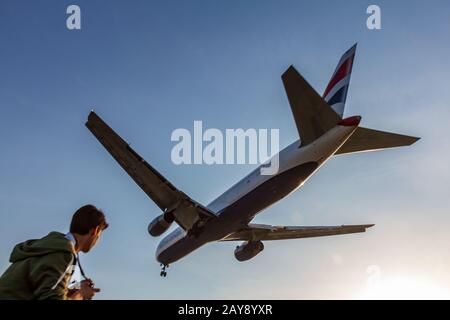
74, 294
87, 290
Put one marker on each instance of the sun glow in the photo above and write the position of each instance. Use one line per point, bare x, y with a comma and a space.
405, 288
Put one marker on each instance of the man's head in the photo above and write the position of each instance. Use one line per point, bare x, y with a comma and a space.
87, 224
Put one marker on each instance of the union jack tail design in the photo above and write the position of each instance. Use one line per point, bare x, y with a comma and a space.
336, 92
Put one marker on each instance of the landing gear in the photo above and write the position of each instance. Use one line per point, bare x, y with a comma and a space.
163, 270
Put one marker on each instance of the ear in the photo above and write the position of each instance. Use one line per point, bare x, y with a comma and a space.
95, 230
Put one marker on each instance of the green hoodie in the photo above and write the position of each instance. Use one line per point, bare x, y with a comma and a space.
40, 269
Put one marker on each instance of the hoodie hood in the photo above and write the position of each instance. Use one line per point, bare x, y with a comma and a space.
53, 242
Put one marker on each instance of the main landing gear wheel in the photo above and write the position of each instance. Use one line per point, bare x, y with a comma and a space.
163, 270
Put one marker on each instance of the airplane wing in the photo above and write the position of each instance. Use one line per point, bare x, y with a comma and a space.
364, 139
262, 232
187, 212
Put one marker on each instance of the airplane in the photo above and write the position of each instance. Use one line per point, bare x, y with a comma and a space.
323, 133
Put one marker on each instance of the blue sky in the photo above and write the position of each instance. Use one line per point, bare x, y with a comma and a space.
153, 66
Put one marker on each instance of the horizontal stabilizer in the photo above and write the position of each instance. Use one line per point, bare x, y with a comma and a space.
364, 139
312, 115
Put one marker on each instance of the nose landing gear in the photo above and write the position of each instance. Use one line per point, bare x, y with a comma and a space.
163, 270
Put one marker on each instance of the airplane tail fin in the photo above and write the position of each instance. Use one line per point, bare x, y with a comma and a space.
314, 115
364, 139
336, 92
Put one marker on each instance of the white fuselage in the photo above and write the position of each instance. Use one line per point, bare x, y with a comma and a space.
237, 206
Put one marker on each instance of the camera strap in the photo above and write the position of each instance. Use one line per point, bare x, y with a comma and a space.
81, 268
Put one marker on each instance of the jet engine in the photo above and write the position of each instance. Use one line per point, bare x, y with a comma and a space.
160, 224
248, 250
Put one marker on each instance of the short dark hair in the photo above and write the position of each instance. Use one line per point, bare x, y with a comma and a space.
86, 218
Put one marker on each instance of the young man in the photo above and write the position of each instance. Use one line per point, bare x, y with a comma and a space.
41, 269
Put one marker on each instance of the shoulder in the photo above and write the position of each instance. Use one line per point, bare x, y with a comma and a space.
58, 241
60, 260
62, 256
